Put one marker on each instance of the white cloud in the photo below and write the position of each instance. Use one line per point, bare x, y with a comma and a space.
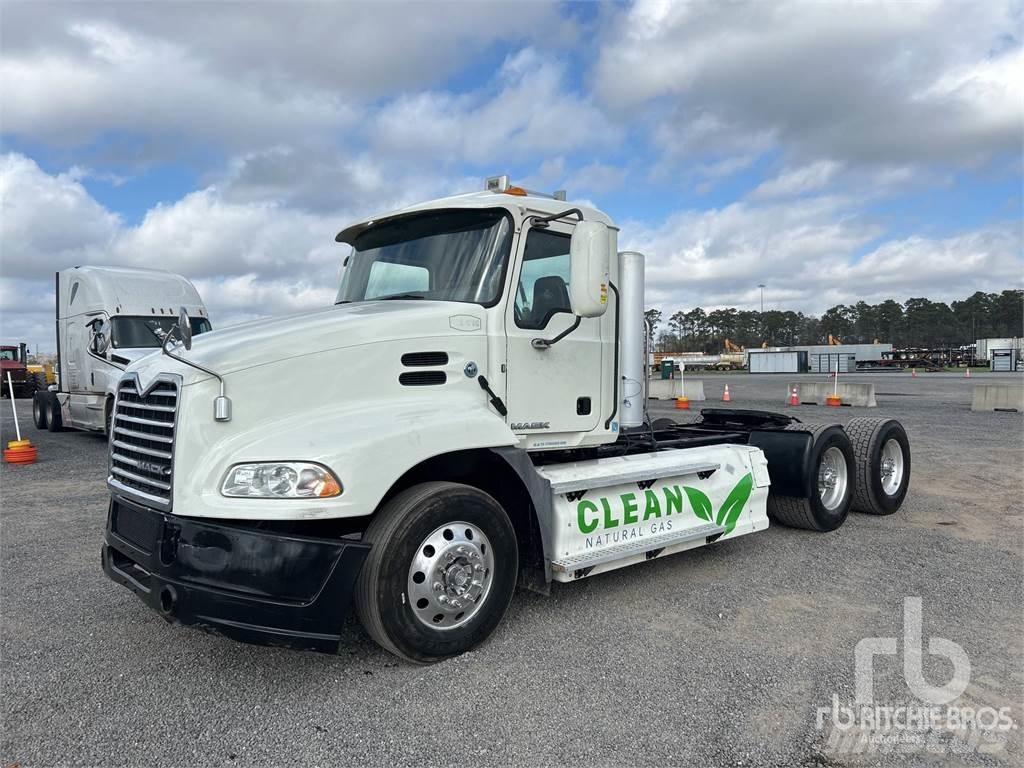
241, 75
860, 83
129, 82
808, 253
48, 222
798, 181
532, 113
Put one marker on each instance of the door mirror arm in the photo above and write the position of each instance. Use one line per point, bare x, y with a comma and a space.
543, 221
542, 344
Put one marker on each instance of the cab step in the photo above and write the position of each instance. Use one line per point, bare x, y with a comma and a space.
650, 546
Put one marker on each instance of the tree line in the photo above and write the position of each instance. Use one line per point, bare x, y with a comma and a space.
916, 323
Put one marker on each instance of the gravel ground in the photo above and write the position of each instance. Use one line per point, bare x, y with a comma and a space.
719, 656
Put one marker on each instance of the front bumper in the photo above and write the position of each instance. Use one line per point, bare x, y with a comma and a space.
242, 582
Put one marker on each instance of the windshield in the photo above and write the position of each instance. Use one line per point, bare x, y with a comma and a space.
8, 354
132, 332
441, 255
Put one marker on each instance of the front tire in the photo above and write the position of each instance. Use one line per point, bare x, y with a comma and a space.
54, 421
882, 452
39, 409
830, 483
440, 573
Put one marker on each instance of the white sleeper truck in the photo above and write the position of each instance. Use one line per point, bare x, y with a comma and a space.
480, 423
108, 317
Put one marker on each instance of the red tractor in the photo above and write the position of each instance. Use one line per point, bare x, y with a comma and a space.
14, 360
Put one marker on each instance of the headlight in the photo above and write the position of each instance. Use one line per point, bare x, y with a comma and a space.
281, 480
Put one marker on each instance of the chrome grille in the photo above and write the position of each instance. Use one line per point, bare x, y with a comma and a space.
142, 440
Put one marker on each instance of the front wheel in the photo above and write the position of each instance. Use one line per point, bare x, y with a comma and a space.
40, 404
440, 573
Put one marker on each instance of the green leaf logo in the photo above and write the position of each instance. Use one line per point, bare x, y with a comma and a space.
700, 502
733, 505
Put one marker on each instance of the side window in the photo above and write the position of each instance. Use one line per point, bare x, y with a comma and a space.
387, 278
543, 288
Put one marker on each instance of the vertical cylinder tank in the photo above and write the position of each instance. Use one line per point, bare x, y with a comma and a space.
631, 339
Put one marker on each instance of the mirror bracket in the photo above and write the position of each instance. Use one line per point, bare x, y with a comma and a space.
542, 344
543, 221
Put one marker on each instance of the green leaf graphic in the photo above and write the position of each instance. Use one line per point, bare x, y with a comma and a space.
700, 502
733, 505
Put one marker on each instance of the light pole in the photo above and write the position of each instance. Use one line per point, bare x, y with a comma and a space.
761, 286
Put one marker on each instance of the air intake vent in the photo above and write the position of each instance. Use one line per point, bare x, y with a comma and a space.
422, 378
424, 359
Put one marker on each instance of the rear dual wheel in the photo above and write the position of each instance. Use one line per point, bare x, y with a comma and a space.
830, 483
440, 573
882, 452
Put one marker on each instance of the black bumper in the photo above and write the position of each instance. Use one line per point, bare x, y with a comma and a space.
242, 582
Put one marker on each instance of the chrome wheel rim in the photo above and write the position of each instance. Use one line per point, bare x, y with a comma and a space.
450, 575
891, 467
832, 478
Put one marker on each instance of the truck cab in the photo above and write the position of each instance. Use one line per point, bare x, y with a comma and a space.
108, 317
477, 419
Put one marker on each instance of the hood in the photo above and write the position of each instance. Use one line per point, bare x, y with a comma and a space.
271, 340
129, 354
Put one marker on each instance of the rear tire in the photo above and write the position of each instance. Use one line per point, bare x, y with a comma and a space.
882, 453
830, 483
40, 409
440, 574
54, 422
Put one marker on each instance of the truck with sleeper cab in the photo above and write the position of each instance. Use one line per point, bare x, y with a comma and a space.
480, 422
108, 317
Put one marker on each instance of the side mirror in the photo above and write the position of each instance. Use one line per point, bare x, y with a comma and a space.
100, 336
184, 328
590, 252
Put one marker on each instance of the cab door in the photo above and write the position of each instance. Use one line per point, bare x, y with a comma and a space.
557, 390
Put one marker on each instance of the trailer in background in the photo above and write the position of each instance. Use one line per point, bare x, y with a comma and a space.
765, 361
983, 348
827, 362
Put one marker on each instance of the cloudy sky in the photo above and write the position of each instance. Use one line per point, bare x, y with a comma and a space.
833, 151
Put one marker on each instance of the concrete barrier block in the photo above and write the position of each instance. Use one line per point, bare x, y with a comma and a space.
668, 389
1002, 397
858, 394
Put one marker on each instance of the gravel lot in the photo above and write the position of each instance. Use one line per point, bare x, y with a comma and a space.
720, 656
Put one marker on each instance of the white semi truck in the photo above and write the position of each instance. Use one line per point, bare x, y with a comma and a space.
480, 421
108, 317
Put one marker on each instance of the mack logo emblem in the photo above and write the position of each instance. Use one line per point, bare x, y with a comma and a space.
156, 469
517, 425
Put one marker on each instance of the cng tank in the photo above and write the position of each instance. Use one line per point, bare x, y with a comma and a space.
631, 338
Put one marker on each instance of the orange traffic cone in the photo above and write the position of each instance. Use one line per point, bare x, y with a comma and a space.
20, 452
968, 373
793, 398
725, 395
913, 373
683, 403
